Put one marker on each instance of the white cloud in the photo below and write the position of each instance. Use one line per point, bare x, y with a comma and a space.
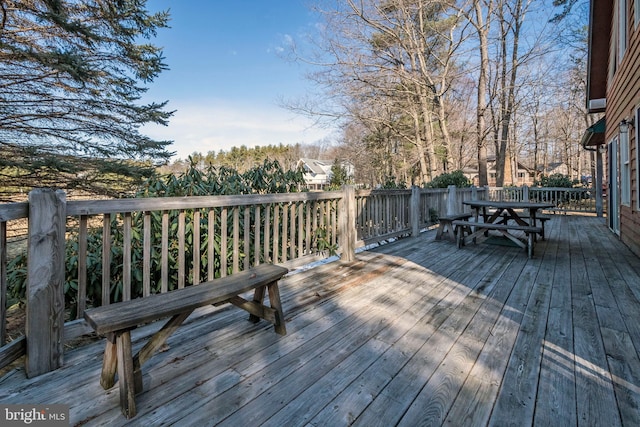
219, 126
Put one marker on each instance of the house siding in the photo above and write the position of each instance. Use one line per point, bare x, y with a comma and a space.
623, 98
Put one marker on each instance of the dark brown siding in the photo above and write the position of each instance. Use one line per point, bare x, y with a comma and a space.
622, 100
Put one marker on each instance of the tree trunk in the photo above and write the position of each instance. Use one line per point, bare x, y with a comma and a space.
483, 31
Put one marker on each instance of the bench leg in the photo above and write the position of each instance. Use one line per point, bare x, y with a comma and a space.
258, 298
459, 234
274, 301
109, 363
125, 374
444, 227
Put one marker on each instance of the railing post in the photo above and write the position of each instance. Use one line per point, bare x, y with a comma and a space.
598, 183
348, 224
451, 200
414, 211
45, 281
474, 192
525, 193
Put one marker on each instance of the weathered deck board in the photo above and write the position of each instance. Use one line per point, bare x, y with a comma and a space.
415, 332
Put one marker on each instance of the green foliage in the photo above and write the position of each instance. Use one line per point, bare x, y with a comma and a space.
323, 242
17, 278
391, 183
456, 178
434, 216
557, 180
339, 176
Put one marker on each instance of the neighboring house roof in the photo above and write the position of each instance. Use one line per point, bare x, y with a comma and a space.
316, 167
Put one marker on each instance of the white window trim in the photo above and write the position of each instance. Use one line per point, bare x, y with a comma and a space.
625, 169
622, 29
637, 141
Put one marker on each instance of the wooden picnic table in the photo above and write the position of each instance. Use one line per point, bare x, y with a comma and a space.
522, 214
509, 210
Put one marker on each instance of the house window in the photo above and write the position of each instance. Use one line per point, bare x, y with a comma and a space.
625, 170
636, 13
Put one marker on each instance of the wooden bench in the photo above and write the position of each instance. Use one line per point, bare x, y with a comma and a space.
116, 321
480, 227
445, 228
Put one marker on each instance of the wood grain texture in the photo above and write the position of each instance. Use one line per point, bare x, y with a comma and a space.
45, 282
129, 314
416, 330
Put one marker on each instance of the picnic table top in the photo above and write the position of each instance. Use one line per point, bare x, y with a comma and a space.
508, 205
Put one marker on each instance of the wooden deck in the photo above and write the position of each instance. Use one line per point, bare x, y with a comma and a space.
413, 333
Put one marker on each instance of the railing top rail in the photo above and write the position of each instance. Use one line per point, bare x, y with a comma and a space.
574, 189
381, 192
95, 207
11, 211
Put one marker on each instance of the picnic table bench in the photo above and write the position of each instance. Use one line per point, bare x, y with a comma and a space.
445, 226
543, 218
116, 321
530, 232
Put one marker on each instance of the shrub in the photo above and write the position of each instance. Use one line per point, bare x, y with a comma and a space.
556, 180
391, 183
456, 178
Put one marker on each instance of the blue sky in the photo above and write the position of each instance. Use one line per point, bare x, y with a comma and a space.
226, 76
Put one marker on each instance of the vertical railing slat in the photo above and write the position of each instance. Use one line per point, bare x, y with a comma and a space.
307, 228
211, 244
224, 237
106, 259
146, 254
285, 233
276, 233
300, 229
181, 249
164, 256
267, 233
126, 257
82, 266
236, 239
195, 263
247, 237
292, 231
257, 230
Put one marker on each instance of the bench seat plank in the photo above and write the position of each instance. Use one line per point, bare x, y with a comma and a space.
503, 228
493, 226
522, 215
129, 314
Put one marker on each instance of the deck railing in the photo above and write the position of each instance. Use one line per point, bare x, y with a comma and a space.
565, 199
93, 252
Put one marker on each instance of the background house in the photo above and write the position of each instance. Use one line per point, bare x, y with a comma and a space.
317, 173
524, 174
